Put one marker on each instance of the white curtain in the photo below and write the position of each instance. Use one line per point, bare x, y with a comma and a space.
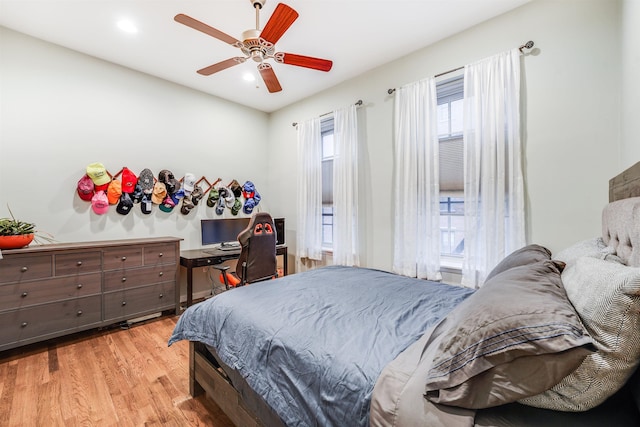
493, 182
345, 187
309, 223
416, 248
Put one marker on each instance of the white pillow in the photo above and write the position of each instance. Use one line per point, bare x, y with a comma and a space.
594, 247
606, 296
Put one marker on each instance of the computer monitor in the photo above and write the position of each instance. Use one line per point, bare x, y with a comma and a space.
223, 231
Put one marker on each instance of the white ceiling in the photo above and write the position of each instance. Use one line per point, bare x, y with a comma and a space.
357, 35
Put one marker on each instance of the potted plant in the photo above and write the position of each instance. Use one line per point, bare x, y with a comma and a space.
15, 234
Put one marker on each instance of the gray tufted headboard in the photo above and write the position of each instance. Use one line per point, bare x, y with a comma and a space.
621, 217
621, 229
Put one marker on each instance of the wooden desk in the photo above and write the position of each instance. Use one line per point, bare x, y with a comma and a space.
194, 258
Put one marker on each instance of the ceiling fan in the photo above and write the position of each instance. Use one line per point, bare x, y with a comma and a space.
259, 45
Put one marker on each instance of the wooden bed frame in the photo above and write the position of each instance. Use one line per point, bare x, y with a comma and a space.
206, 375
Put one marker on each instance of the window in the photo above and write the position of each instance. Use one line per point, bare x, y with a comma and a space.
450, 94
327, 183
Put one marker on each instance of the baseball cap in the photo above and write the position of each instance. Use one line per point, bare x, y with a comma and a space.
229, 197
249, 204
129, 180
159, 193
220, 206
188, 182
196, 194
146, 180
114, 192
145, 204
100, 203
235, 188
98, 173
167, 204
125, 204
187, 205
213, 197
85, 188
237, 205
166, 177
136, 196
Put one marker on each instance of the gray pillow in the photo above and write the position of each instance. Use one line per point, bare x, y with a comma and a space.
515, 337
523, 256
606, 295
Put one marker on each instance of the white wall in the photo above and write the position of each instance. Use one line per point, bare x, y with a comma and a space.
571, 120
62, 110
630, 133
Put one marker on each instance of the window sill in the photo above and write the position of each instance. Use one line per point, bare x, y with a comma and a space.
450, 264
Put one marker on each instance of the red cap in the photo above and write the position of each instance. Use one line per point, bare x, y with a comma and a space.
129, 180
85, 188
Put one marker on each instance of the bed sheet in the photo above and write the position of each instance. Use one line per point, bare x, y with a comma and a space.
313, 344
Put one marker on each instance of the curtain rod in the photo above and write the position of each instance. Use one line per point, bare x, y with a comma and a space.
357, 104
527, 45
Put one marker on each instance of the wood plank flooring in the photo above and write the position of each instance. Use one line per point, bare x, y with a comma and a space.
117, 377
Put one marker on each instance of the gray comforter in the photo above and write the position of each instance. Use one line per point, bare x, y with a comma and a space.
313, 344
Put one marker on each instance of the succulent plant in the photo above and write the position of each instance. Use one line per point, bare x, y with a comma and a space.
13, 227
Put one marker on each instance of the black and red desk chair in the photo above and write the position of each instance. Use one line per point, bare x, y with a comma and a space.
257, 259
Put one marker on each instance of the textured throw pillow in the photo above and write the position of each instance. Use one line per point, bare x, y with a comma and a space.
523, 256
515, 337
606, 295
595, 248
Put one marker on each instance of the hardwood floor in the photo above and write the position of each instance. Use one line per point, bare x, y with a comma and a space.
116, 377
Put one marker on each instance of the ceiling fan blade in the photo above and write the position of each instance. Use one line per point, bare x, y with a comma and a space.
303, 61
269, 77
207, 71
202, 27
278, 23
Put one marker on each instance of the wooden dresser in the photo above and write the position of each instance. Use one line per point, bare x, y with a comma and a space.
51, 290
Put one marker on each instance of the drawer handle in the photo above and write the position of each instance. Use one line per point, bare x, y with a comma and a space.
124, 303
79, 312
161, 295
79, 285
79, 263
23, 269
124, 279
124, 258
24, 324
24, 294
160, 254
161, 273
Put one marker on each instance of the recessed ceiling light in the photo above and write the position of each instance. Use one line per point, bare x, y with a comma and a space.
127, 26
249, 77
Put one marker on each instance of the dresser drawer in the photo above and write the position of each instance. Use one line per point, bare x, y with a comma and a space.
130, 303
77, 263
24, 294
160, 254
46, 319
135, 277
122, 258
22, 268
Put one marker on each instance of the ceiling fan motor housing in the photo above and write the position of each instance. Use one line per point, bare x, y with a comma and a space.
255, 47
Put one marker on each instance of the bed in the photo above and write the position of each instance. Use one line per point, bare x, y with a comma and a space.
341, 346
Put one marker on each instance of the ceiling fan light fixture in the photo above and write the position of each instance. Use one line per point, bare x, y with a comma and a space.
127, 26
